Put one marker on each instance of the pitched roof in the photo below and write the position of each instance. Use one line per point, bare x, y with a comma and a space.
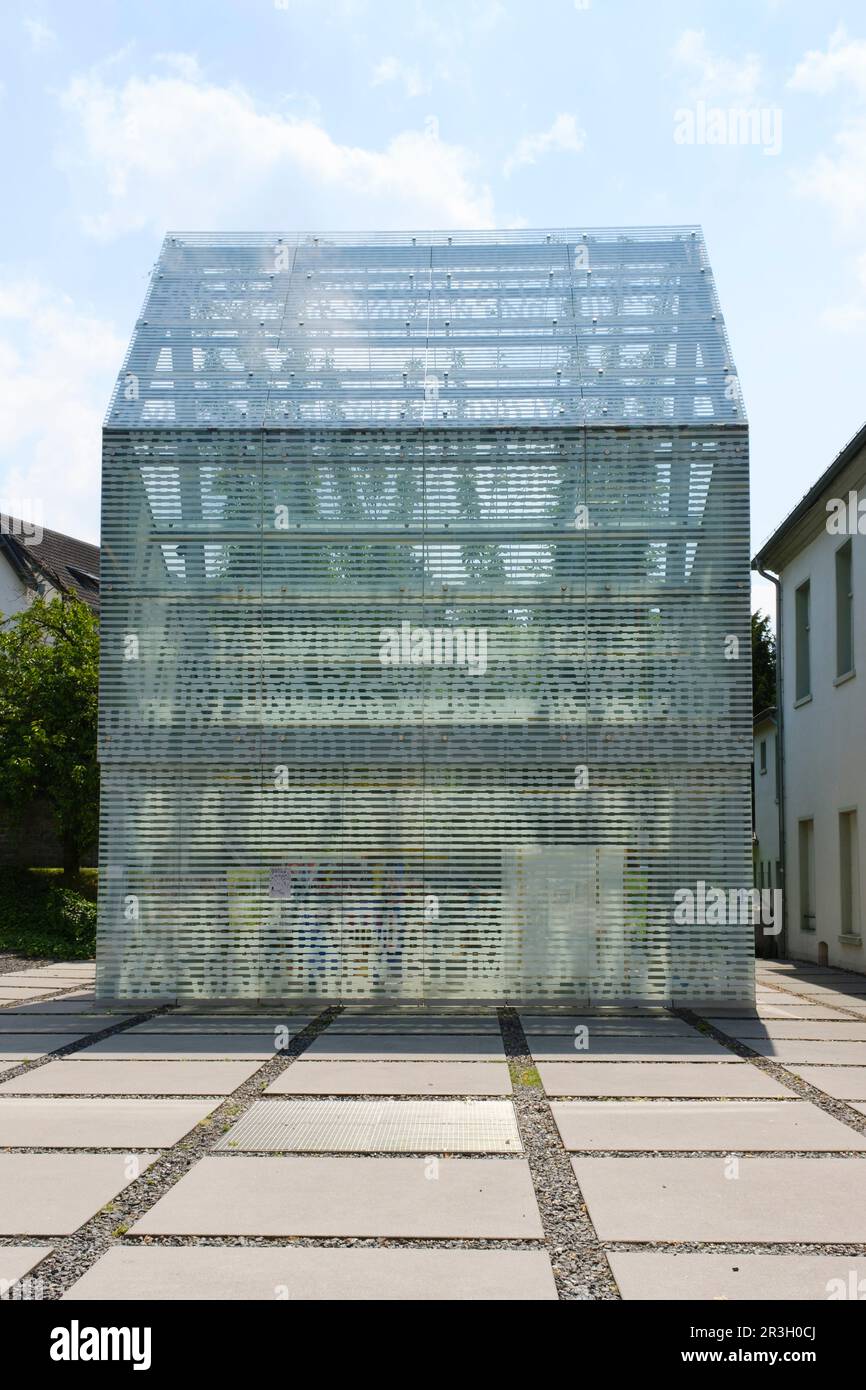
581, 326
765, 716
68, 564
766, 555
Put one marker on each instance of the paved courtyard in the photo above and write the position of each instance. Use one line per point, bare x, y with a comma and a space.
254, 1154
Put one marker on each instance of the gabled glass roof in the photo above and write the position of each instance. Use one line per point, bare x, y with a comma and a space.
370, 330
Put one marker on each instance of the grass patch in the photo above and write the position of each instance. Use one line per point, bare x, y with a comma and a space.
42, 918
528, 1076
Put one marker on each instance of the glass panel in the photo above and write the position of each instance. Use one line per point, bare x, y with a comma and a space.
426, 627
803, 643
844, 611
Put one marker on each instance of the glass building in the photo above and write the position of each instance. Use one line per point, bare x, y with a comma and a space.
426, 653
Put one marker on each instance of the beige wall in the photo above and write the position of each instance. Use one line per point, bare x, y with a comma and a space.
825, 747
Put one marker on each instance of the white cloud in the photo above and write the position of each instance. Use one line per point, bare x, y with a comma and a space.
186, 65
715, 78
844, 318
452, 24
564, 135
487, 15
843, 61
839, 178
41, 36
414, 82
177, 151
58, 366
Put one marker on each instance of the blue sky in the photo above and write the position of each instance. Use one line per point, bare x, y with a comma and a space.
121, 120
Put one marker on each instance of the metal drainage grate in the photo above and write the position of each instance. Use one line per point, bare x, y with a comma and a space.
376, 1126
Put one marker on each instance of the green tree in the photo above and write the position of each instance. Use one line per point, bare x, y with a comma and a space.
763, 663
49, 662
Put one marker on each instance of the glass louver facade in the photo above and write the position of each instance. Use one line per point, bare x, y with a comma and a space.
426, 653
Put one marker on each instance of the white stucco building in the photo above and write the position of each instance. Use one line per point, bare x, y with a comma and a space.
819, 557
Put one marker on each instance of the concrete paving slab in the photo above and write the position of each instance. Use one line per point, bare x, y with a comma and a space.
44, 981
79, 1007
54, 1023
596, 1008
855, 1007
851, 1004
733, 1012
76, 967
858, 1010
605, 1026
319, 1078
370, 1046
790, 1278
828, 979
827, 1053
737, 1080
62, 1123
792, 967
18, 1260
614, 1049
222, 1024
815, 1030
16, 994
73, 979
84, 964
825, 993
279, 1006
148, 1273
411, 1197
790, 986
103, 1076
772, 1199
410, 1025
785, 1013
726, 1126
375, 1126
417, 1008
23, 1047
54, 1194
842, 1083
166, 1046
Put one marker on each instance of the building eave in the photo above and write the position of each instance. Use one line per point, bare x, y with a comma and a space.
766, 716
807, 518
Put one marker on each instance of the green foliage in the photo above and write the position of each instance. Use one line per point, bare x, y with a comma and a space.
39, 917
526, 1076
763, 663
49, 663
85, 883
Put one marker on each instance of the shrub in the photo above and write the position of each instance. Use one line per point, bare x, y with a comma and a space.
39, 918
